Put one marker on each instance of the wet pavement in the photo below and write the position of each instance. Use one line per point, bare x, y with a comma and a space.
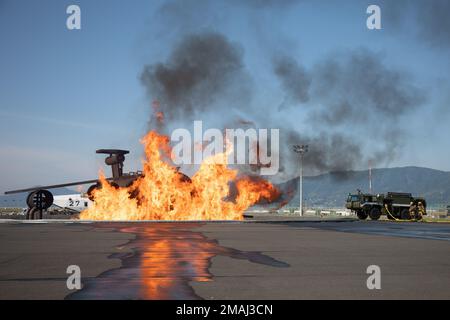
421, 230
212, 260
165, 258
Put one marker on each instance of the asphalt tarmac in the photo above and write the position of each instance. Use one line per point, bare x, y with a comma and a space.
258, 260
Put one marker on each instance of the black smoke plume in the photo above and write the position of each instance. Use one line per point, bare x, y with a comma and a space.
351, 90
294, 79
202, 70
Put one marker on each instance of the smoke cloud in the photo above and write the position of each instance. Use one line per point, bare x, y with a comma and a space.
355, 90
201, 69
294, 79
205, 72
205, 77
430, 18
358, 87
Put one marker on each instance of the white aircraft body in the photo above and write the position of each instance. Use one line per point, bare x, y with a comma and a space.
76, 202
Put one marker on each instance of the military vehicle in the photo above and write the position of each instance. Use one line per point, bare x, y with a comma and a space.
395, 205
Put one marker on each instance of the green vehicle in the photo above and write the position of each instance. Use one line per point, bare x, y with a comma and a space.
395, 205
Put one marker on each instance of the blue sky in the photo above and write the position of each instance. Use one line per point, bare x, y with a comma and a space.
63, 93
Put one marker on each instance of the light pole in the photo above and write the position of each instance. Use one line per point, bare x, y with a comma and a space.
301, 149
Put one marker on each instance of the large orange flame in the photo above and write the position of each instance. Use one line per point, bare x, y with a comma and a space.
162, 193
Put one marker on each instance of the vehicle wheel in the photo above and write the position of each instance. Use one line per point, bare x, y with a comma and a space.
404, 214
362, 215
375, 213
